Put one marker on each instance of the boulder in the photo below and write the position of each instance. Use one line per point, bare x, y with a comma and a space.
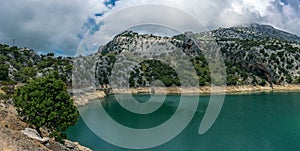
69, 144
32, 133
75, 146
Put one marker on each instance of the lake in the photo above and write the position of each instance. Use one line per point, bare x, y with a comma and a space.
256, 122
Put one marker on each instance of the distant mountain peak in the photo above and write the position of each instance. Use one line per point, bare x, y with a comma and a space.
257, 25
255, 31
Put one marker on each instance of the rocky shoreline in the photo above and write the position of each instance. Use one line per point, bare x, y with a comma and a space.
208, 89
82, 100
12, 138
16, 135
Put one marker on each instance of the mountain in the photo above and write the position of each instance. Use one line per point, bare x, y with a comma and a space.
17, 65
253, 55
255, 32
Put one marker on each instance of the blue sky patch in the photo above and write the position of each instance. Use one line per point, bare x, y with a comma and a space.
90, 23
110, 3
284, 1
59, 52
96, 28
99, 14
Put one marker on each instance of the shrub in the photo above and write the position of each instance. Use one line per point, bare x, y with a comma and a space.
46, 102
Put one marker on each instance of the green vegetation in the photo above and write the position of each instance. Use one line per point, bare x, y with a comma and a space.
46, 102
263, 83
251, 58
289, 79
297, 80
25, 64
202, 70
4, 96
4, 72
179, 37
9, 90
41, 101
154, 70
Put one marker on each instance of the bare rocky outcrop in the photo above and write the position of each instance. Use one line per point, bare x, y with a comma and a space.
83, 99
208, 89
17, 141
16, 136
75, 146
32, 133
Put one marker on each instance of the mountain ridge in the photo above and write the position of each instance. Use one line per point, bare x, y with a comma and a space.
253, 54
266, 54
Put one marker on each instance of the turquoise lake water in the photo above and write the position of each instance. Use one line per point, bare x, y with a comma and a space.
256, 122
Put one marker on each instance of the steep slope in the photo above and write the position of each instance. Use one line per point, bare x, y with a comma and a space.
20, 64
255, 32
253, 54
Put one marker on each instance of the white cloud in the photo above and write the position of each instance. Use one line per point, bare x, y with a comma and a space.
52, 24
45, 25
216, 13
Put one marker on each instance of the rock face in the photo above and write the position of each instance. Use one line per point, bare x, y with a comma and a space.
253, 54
84, 98
32, 133
16, 141
14, 136
22, 64
10, 136
75, 146
255, 32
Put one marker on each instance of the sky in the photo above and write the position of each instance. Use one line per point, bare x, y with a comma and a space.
60, 26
